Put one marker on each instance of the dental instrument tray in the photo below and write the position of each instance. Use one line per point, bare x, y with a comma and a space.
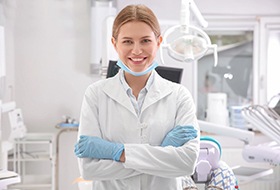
264, 118
68, 122
267, 120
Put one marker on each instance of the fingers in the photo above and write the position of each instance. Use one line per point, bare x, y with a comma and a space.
188, 134
86, 144
179, 128
182, 131
80, 146
77, 151
84, 137
184, 126
192, 133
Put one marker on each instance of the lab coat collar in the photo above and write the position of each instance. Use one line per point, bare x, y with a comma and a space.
127, 87
115, 90
158, 90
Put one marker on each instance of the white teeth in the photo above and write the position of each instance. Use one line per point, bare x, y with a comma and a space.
136, 59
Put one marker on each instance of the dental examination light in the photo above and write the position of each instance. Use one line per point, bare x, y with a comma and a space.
192, 42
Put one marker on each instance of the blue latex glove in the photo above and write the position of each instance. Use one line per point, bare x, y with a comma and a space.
95, 147
179, 135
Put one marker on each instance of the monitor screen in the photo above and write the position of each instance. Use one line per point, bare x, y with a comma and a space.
169, 73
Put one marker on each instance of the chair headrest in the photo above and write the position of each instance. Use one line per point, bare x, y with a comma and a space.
210, 150
211, 139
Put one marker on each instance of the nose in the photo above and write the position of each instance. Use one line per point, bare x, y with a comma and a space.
137, 49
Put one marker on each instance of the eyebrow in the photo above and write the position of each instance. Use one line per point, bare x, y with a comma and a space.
140, 38
146, 37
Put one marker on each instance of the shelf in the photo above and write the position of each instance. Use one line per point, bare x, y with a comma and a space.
33, 157
34, 181
31, 186
34, 149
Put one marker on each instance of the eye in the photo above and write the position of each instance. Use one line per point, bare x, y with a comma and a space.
127, 42
146, 40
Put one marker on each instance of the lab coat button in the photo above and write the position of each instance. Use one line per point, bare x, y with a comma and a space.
143, 125
144, 139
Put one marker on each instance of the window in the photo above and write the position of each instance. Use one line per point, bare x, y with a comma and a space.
236, 74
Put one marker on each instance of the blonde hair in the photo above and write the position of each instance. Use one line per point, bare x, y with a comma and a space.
139, 13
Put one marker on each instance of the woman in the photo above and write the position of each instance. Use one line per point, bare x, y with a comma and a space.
137, 130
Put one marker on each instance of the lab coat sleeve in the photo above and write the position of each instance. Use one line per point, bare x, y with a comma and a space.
93, 168
168, 161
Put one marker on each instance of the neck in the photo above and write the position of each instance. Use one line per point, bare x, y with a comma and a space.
136, 83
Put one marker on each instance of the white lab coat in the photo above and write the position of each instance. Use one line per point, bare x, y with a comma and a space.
107, 112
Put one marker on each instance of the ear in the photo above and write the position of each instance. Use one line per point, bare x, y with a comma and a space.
114, 42
159, 40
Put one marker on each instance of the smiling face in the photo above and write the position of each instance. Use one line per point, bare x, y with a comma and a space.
136, 45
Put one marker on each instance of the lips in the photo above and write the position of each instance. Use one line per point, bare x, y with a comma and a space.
137, 60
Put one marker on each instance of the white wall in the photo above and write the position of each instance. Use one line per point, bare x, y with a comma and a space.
50, 46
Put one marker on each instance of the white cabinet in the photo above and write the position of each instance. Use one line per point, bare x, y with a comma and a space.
33, 159
67, 163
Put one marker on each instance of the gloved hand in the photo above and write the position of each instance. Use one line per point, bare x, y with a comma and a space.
95, 147
179, 135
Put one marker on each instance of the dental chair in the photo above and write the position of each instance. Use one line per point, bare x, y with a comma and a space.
211, 172
210, 169
208, 160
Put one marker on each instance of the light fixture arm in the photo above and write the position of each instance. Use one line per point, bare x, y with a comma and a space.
185, 16
186, 6
198, 14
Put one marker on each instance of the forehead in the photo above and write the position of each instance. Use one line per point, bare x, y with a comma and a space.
135, 29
